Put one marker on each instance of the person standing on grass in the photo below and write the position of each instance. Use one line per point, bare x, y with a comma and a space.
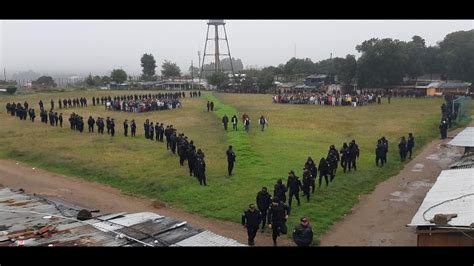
230, 160
294, 185
251, 220
345, 156
112, 127
125, 128
234, 122
151, 131
280, 190
91, 123
333, 160
157, 131
200, 168
385, 145
306, 183
133, 128
212, 106
313, 170
410, 144
303, 233
247, 124
262, 121
379, 153
208, 106
402, 146
354, 154
276, 218
162, 131
443, 129
263, 203
60, 104
191, 156
323, 171
225, 121
107, 124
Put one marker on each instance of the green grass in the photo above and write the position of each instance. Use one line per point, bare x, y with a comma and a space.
142, 167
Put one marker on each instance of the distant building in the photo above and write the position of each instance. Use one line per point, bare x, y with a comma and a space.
442, 88
317, 80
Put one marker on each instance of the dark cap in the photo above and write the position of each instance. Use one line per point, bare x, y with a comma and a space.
251, 206
304, 219
291, 172
276, 199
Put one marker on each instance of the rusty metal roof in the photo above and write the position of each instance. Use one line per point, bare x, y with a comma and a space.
30, 220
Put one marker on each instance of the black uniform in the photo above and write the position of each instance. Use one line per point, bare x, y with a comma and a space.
200, 169
133, 128
108, 122
280, 191
294, 185
379, 153
225, 121
230, 160
125, 128
303, 235
410, 144
353, 155
402, 146
251, 219
112, 128
306, 183
443, 129
277, 215
234, 121
323, 171
91, 123
263, 203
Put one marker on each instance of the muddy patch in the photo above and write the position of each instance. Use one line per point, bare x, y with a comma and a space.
418, 167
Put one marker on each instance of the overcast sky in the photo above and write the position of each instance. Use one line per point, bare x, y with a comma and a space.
98, 46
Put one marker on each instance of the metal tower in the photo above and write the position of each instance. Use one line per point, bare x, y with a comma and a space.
216, 23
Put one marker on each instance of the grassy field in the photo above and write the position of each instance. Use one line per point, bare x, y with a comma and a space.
143, 167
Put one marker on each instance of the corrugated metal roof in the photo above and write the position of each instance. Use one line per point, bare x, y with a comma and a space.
28, 220
207, 238
463, 163
449, 185
464, 139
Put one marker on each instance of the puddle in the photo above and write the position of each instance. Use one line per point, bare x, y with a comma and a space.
418, 167
401, 196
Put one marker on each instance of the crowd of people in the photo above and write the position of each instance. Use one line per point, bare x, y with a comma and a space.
337, 99
142, 103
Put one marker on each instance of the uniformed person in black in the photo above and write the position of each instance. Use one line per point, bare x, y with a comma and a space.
251, 220
230, 160
294, 185
60, 118
91, 123
225, 121
276, 218
263, 203
410, 144
279, 190
133, 128
303, 233
112, 127
402, 146
146, 126
379, 153
108, 122
125, 127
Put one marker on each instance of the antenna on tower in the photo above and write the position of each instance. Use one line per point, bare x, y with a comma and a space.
216, 23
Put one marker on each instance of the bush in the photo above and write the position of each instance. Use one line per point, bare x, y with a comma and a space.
11, 90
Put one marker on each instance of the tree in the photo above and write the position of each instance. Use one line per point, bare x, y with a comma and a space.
195, 71
346, 69
218, 79
416, 51
90, 81
382, 62
105, 80
46, 81
118, 75
11, 90
148, 65
457, 53
169, 69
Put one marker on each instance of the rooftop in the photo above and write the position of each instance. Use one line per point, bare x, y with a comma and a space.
447, 191
29, 220
464, 139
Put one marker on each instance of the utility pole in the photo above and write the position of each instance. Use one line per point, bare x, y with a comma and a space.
5, 74
192, 75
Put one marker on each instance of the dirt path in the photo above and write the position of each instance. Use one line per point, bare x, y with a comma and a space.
110, 200
379, 218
